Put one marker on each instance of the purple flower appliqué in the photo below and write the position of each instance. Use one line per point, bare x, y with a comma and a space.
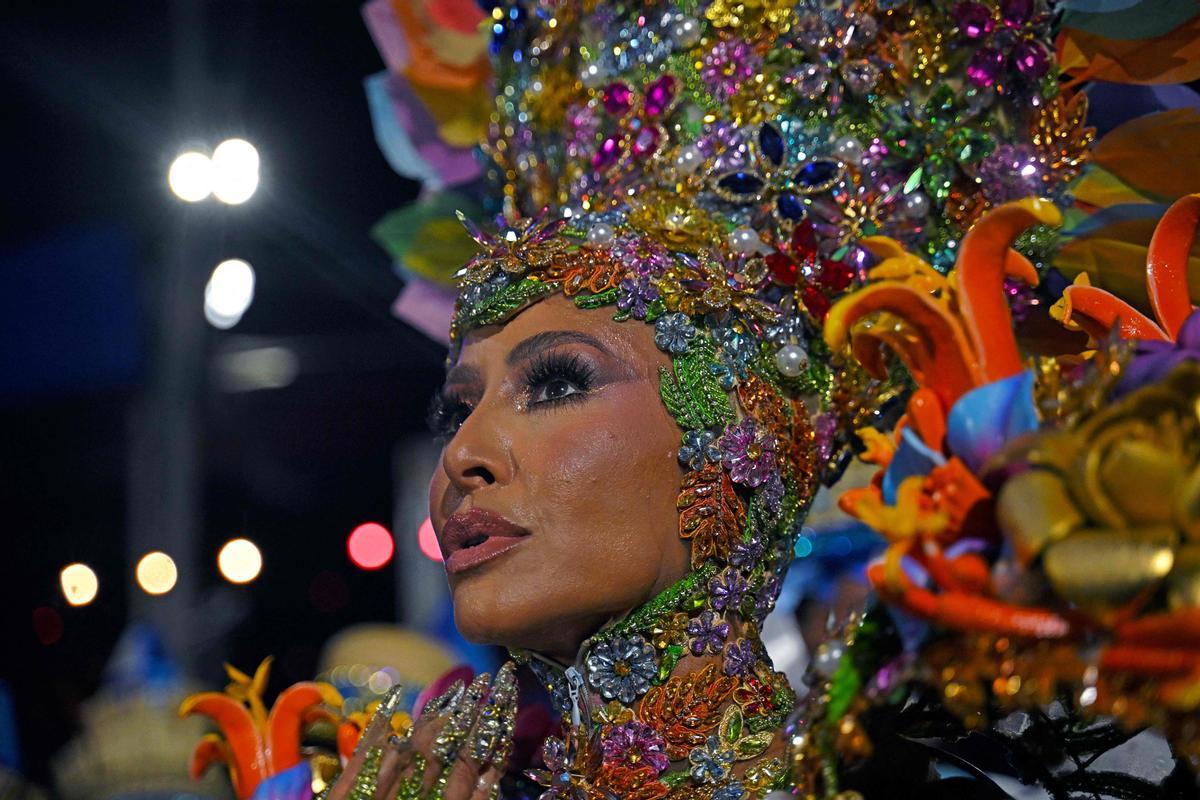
708, 632
727, 590
727, 66
635, 294
748, 452
765, 599
1153, 361
746, 554
740, 658
636, 744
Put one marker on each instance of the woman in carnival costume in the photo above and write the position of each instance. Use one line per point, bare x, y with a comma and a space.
738, 243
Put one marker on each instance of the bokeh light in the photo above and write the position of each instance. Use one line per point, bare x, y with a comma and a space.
156, 573
427, 541
240, 561
229, 292
79, 584
234, 171
370, 545
191, 176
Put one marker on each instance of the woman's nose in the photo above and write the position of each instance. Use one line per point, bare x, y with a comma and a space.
477, 456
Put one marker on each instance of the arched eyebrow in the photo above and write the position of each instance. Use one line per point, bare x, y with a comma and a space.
547, 339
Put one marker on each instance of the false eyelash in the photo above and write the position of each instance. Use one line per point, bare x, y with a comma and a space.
553, 366
446, 413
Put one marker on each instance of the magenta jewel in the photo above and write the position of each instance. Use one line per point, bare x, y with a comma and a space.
1031, 59
608, 154
974, 19
1016, 13
985, 67
618, 99
659, 96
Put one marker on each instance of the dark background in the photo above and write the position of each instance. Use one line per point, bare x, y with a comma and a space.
97, 100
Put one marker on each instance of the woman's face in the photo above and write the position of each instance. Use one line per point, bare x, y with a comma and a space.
554, 502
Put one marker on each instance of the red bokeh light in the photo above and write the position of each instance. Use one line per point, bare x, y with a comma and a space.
427, 541
370, 546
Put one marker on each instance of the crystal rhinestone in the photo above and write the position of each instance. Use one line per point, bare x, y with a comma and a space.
617, 98
1031, 59
816, 303
974, 19
608, 154
659, 96
984, 67
743, 184
790, 206
646, 141
771, 143
1016, 13
783, 269
817, 175
836, 275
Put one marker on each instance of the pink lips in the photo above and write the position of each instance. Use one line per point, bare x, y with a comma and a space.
475, 537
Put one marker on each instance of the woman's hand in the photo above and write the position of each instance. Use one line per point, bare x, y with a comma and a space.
456, 750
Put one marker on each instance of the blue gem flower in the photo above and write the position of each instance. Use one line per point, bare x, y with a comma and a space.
711, 763
699, 448
622, 668
730, 791
673, 333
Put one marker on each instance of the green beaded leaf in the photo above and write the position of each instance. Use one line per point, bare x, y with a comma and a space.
589, 301
693, 394
501, 305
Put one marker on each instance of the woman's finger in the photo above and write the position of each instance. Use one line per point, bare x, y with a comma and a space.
487, 787
408, 759
368, 755
486, 744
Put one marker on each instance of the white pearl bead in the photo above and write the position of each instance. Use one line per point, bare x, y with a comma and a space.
848, 149
745, 240
686, 32
791, 360
915, 206
600, 235
779, 794
592, 76
689, 159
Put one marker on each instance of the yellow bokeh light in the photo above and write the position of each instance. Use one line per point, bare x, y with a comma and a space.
156, 573
79, 584
240, 561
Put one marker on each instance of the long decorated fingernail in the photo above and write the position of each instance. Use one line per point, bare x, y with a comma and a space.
451, 737
446, 701
493, 734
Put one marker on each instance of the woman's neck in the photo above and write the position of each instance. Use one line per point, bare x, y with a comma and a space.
671, 687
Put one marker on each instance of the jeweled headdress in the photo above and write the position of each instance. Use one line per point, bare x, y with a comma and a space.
791, 194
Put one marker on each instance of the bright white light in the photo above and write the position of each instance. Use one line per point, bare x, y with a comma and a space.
156, 573
191, 177
235, 171
240, 561
79, 584
229, 293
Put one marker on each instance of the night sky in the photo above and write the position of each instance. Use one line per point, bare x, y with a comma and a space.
98, 99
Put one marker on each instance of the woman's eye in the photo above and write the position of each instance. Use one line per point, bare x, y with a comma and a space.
555, 389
